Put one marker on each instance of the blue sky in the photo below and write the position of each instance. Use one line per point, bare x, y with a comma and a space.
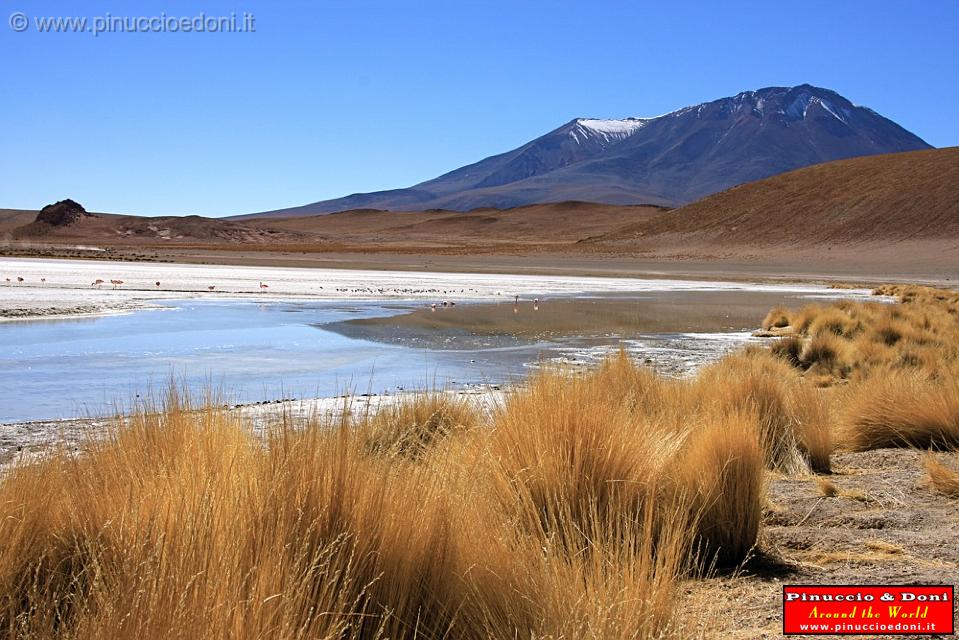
328, 98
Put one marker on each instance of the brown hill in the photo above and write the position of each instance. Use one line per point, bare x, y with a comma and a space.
10, 219
370, 229
890, 198
563, 222
67, 226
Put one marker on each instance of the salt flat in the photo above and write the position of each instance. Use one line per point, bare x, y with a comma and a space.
53, 287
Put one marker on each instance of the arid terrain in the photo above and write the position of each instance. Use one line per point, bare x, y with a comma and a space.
874, 219
885, 525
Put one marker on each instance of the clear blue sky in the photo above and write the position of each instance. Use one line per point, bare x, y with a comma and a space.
331, 97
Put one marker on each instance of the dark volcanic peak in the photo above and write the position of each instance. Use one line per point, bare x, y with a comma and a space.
785, 105
671, 159
62, 213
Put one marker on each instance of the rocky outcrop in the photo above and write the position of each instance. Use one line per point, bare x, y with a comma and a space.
62, 213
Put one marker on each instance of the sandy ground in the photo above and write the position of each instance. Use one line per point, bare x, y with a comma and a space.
886, 526
52, 287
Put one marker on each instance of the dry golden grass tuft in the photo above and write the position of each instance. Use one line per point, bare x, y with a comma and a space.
721, 470
788, 348
901, 409
827, 488
834, 321
826, 354
793, 418
413, 426
801, 320
777, 318
612, 444
940, 477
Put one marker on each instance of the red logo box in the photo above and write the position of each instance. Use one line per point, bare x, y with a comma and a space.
868, 610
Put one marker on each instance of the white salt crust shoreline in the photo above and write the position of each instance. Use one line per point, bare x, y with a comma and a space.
55, 289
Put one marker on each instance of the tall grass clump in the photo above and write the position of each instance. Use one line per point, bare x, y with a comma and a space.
826, 354
901, 409
777, 318
894, 367
414, 425
834, 321
570, 452
721, 472
792, 418
789, 349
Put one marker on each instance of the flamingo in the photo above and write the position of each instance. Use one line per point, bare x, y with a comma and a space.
116, 283
433, 307
96, 283
8, 280
157, 284
211, 287
516, 299
19, 279
43, 280
264, 287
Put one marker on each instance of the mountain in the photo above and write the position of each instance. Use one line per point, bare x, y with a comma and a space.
900, 197
669, 160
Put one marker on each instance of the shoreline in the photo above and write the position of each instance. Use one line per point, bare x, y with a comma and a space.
484, 296
57, 288
29, 440
653, 319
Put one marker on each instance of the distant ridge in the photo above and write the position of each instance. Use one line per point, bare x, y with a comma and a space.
668, 160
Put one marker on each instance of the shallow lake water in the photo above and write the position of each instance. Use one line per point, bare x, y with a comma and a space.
254, 351
247, 351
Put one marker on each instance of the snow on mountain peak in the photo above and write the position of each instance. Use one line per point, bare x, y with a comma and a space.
799, 108
608, 130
